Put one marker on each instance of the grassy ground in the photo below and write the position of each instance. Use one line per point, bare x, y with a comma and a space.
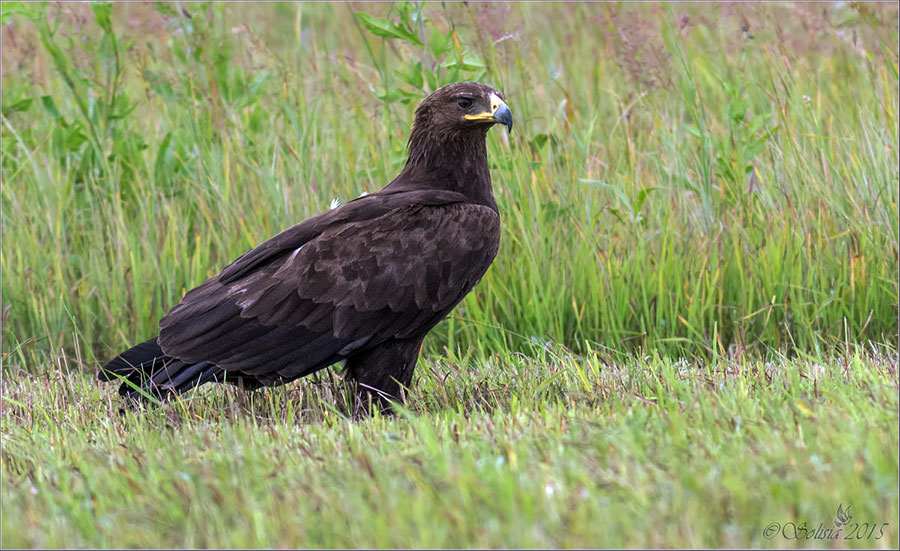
553, 451
689, 332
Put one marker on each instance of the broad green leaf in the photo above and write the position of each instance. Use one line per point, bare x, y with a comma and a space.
432, 78
102, 14
390, 96
160, 165
413, 77
381, 27
468, 64
615, 212
642, 196
539, 140
441, 43
21, 105
50, 106
33, 11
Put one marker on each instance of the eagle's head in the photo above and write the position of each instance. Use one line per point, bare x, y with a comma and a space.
463, 107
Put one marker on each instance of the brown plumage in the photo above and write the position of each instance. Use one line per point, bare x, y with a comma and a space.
363, 282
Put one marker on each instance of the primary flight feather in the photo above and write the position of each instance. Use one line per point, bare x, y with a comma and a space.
363, 282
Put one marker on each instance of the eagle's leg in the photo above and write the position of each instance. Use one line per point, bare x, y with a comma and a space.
383, 373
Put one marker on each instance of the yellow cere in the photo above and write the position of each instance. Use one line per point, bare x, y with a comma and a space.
496, 102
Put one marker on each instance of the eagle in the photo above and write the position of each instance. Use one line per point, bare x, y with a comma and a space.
362, 283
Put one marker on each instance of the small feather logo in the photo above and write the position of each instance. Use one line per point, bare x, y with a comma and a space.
843, 516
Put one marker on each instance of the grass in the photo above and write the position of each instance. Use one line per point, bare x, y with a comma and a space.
689, 332
630, 219
551, 451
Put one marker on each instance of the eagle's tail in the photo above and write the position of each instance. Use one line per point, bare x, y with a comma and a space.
146, 371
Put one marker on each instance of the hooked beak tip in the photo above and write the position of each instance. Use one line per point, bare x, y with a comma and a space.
504, 116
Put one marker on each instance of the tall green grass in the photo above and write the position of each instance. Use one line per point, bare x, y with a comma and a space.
673, 183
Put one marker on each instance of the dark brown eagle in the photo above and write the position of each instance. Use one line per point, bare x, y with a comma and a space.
363, 282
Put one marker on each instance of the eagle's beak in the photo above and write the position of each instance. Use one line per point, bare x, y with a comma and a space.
504, 116
499, 113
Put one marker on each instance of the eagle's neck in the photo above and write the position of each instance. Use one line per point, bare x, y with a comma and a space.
452, 162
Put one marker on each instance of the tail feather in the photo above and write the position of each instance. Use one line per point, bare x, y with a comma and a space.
132, 359
146, 367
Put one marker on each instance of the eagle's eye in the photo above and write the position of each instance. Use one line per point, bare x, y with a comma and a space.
465, 103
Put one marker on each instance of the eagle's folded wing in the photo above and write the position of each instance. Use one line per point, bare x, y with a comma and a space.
386, 267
